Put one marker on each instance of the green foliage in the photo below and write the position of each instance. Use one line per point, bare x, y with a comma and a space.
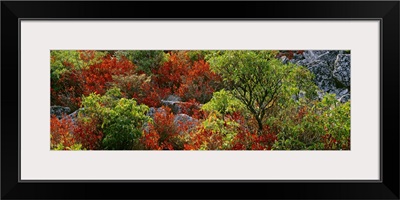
196, 55
265, 104
74, 147
63, 60
259, 80
145, 60
121, 119
321, 124
223, 102
226, 127
299, 82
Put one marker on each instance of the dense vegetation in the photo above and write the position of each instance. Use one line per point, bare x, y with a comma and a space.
221, 100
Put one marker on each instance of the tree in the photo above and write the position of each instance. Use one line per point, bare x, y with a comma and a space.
256, 78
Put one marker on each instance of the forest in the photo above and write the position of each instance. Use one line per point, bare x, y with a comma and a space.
198, 100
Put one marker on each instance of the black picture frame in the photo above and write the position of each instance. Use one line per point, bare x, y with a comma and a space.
13, 11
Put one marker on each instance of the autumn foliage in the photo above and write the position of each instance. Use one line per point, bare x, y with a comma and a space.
119, 102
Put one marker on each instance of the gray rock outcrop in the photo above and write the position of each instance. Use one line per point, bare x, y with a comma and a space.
59, 111
331, 69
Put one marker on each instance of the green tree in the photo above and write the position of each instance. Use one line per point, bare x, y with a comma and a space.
257, 79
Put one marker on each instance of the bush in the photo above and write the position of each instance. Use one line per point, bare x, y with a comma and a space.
321, 124
61, 133
121, 119
163, 133
223, 102
95, 78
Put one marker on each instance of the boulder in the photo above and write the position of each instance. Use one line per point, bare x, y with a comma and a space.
179, 119
341, 69
153, 111
173, 98
74, 114
331, 70
59, 111
174, 105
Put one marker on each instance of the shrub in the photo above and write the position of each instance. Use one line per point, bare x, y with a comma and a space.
199, 83
87, 133
96, 78
164, 133
223, 102
121, 119
321, 124
61, 133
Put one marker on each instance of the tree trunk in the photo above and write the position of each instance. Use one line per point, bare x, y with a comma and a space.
260, 125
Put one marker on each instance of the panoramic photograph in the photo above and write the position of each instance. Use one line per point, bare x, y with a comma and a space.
253, 100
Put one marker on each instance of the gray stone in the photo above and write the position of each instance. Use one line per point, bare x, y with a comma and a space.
173, 98
341, 69
74, 114
331, 69
174, 105
59, 111
284, 59
153, 111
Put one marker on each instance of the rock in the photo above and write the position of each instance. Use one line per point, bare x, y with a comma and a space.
183, 118
341, 69
284, 59
59, 111
344, 95
344, 92
153, 111
74, 114
331, 69
173, 98
174, 105
179, 119
298, 56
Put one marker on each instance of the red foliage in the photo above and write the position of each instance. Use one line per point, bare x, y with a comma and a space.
68, 90
179, 76
187, 79
332, 143
289, 54
61, 131
87, 134
247, 139
67, 132
199, 83
192, 108
152, 95
302, 112
163, 132
170, 74
97, 76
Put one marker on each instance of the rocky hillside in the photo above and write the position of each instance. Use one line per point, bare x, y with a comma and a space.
331, 69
